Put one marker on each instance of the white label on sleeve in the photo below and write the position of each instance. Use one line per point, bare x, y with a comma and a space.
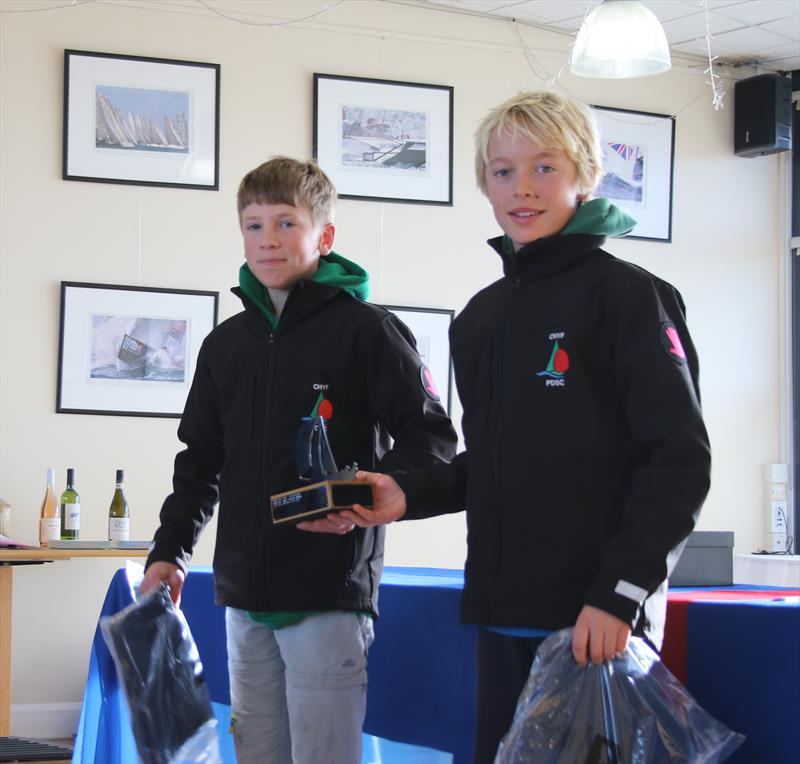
631, 591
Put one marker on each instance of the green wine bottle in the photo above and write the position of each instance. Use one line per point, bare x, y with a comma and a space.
70, 509
119, 516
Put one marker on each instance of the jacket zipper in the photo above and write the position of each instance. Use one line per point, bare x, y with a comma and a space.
265, 517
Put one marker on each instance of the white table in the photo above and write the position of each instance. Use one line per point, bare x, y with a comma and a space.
767, 570
9, 559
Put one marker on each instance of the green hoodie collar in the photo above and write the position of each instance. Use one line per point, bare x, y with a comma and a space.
597, 217
601, 218
333, 270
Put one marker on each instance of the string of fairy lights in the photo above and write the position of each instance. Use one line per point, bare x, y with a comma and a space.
538, 70
202, 3
713, 79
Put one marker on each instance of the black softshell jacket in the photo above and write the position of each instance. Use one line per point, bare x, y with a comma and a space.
586, 459
250, 391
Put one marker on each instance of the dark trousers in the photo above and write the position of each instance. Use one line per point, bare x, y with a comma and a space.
503, 667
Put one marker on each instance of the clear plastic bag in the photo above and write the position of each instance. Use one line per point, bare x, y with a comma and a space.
161, 674
630, 710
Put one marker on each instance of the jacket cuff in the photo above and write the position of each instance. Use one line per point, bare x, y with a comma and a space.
411, 482
160, 552
620, 598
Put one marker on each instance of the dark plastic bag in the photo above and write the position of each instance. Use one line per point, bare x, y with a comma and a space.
630, 710
161, 674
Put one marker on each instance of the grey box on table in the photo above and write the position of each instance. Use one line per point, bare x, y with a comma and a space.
707, 560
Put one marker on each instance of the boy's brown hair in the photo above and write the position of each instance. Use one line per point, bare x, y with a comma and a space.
550, 120
282, 180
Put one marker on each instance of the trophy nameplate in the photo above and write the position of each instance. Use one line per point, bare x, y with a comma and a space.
318, 499
331, 490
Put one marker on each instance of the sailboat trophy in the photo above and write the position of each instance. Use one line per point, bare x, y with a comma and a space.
328, 488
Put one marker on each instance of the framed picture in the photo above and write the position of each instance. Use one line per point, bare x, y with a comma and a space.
430, 327
638, 156
384, 140
142, 121
128, 350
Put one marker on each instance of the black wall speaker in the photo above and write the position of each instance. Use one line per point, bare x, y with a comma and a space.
762, 120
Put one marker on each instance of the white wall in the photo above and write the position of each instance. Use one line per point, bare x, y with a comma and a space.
724, 257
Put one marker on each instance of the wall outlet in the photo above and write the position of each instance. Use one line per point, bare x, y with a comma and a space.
776, 542
776, 491
776, 473
778, 517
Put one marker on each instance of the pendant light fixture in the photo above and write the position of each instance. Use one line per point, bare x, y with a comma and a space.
620, 39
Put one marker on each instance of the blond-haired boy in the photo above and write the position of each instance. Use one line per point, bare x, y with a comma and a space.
299, 606
587, 460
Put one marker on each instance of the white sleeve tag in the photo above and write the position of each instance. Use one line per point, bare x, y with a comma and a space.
631, 591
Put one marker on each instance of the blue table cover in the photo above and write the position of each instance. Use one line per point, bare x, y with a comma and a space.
743, 667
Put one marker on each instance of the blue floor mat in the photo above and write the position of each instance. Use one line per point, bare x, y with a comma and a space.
375, 750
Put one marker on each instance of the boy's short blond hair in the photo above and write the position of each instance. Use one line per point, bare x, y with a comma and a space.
282, 180
551, 120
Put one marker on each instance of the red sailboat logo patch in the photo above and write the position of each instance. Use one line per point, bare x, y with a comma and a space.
557, 366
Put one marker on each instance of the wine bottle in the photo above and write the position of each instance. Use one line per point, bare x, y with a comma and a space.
119, 516
50, 514
70, 509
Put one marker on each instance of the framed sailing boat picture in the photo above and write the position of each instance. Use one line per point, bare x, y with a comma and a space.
383, 140
141, 121
638, 157
129, 350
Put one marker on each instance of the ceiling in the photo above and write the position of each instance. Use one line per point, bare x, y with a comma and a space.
763, 33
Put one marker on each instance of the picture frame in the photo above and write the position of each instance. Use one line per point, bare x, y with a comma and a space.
129, 350
431, 327
638, 165
140, 121
385, 140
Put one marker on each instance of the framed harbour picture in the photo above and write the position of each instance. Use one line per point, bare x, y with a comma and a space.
430, 327
384, 140
141, 121
638, 158
129, 350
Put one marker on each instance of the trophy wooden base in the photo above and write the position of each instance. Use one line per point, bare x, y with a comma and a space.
318, 499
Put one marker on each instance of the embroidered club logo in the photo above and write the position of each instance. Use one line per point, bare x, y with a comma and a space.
557, 367
323, 407
428, 385
671, 342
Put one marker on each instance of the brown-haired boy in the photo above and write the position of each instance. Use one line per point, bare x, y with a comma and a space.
299, 605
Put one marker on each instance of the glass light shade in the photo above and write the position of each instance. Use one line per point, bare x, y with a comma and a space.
620, 39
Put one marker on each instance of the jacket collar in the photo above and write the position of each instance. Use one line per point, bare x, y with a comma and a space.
306, 298
546, 256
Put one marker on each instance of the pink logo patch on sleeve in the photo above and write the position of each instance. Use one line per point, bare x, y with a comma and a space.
671, 342
428, 384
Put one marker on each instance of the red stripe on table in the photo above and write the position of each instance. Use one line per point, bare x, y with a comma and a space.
673, 651
717, 595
